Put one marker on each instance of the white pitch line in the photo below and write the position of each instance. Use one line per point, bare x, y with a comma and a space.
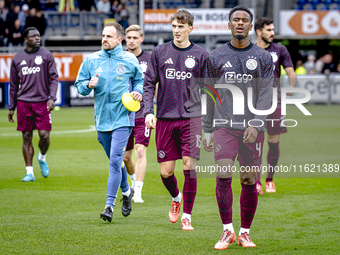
56, 132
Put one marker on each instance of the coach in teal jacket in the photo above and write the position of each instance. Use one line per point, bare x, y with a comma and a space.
112, 72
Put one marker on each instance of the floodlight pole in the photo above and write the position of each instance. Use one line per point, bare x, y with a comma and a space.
276, 15
141, 14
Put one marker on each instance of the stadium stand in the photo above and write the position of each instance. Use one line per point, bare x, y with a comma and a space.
320, 5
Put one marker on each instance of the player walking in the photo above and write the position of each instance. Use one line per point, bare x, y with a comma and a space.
33, 90
264, 28
174, 65
241, 65
140, 133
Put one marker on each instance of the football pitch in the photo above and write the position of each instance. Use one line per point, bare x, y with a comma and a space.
60, 214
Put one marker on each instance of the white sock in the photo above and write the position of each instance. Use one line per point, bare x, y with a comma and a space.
229, 227
132, 177
109, 206
187, 216
29, 170
178, 198
138, 186
127, 193
244, 230
41, 157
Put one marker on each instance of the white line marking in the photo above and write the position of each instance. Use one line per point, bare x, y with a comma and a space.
91, 129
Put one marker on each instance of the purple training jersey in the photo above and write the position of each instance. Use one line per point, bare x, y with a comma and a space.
34, 77
143, 60
240, 69
174, 69
280, 57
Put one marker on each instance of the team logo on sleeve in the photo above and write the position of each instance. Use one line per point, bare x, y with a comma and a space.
121, 69
38, 60
251, 64
144, 66
190, 62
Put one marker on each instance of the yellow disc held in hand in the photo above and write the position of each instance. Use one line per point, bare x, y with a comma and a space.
131, 104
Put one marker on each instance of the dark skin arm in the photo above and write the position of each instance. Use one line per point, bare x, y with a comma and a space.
50, 107
10, 116
250, 135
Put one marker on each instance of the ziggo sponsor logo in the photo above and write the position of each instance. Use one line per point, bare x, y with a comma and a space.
173, 74
29, 70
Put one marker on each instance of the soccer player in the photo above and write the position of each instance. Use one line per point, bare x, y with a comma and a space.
238, 65
33, 90
112, 72
141, 134
264, 28
174, 65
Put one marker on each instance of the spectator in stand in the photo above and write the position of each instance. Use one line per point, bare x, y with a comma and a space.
103, 11
65, 7
16, 35
18, 2
30, 20
23, 15
329, 66
319, 65
103, 6
338, 68
3, 10
40, 21
10, 19
37, 20
310, 64
86, 5
2, 34
33, 4
124, 17
51, 5
300, 70
116, 7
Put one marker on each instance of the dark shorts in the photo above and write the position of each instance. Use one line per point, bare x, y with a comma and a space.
229, 143
274, 127
32, 116
140, 133
178, 138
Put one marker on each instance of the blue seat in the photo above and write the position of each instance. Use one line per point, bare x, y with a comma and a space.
334, 7
298, 7
314, 2
169, 5
309, 7
327, 2
322, 7
301, 2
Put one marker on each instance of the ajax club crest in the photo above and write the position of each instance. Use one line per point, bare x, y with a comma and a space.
38, 60
121, 69
190, 62
251, 64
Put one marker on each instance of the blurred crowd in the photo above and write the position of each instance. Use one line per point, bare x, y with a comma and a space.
324, 65
16, 15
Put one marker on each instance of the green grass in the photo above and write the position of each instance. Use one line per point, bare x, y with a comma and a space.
60, 214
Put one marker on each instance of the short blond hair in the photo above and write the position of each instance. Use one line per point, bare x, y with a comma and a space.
135, 28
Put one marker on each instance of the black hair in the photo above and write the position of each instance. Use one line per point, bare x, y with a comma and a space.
241, 8
25, 33
261, 22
